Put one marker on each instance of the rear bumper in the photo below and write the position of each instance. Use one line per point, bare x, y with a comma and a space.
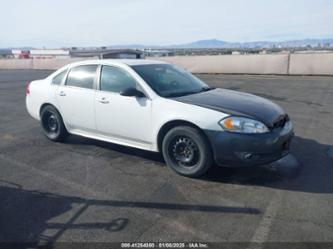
32, 108
237, 150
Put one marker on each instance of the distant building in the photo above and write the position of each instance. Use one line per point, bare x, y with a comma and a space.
49, 54
6, 54
40, 53
16, 53
104, 53
158, 53
21, 54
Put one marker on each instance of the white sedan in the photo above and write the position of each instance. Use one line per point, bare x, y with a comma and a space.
159, 107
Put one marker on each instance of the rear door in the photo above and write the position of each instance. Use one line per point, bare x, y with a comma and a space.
76, 98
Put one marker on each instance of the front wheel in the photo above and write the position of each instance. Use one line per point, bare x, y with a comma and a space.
187, 151
52, 124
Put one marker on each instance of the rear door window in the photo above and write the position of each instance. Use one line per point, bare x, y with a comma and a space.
82, 76
57, 80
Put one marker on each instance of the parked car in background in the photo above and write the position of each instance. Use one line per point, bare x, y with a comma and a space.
25, 54
159, 107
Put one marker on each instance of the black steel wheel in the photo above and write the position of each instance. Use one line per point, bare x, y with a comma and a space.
183, 150
187, 151
52, 124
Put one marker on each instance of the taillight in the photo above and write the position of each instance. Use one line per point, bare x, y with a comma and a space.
27, 89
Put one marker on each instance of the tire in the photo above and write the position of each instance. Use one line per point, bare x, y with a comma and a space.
187, 151
52, 124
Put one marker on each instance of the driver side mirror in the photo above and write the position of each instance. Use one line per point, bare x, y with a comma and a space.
132, 92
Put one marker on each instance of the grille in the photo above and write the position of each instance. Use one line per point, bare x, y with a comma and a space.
281, 121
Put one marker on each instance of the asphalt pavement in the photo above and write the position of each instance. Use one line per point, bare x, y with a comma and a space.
90, 191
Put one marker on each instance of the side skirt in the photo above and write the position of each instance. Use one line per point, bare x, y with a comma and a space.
120, 141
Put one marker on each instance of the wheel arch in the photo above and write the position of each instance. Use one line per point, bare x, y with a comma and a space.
172, 124
47, 104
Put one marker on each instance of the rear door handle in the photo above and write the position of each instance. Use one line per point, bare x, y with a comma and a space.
103, 101
62, 93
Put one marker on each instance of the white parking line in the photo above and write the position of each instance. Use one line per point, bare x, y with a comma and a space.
261, 233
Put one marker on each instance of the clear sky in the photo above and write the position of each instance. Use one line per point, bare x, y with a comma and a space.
54, 23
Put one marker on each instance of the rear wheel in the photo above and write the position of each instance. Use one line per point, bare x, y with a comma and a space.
52, 124
187, 151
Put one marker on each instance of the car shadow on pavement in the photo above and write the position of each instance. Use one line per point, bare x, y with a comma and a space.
31, 216
153, 156
308, 168
310, 171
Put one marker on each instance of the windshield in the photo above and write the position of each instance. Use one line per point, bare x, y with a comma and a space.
170, 81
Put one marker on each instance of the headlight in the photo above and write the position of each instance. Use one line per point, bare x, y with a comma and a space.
243, 125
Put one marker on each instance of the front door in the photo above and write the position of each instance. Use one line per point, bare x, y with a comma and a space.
125, 119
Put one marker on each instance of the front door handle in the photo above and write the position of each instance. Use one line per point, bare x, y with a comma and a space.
103, 101
62, 93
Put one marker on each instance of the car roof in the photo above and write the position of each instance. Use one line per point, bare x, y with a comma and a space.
129, 62
114, 62
134, 62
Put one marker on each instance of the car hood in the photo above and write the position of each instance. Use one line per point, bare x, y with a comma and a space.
237, 103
